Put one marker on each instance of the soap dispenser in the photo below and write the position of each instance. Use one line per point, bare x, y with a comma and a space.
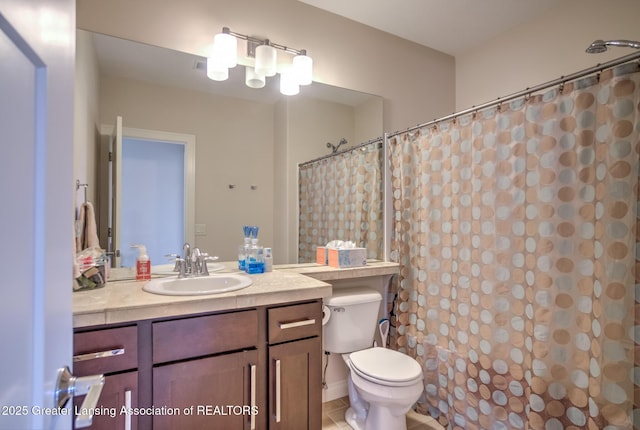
143, 264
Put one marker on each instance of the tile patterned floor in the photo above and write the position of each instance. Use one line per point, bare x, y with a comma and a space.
333, 417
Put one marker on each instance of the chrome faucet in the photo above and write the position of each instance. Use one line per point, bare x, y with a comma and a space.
196, 262
192, 263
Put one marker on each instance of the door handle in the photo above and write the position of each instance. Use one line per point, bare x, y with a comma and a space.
278, 391
127, 404
253, 397
68, 386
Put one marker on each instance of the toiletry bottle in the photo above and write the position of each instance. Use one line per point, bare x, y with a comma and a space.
268, 260
243, 249
143, 264
255, 257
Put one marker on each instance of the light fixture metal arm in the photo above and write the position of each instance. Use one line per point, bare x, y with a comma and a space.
257, 41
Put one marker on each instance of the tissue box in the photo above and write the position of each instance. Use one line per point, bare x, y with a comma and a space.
322, 256
348, 257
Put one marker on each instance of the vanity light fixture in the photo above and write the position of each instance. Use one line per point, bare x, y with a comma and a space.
253, 79
289, 84
225, 48
223, 56
266, 59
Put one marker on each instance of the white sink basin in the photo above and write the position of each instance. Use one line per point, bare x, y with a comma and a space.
212, 284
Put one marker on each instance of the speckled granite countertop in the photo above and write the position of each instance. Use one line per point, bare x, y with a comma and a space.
124, 301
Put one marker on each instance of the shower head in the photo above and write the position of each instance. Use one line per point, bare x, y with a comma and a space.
599, 46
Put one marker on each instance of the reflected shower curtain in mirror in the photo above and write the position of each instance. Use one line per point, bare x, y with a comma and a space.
340, 198
516, 231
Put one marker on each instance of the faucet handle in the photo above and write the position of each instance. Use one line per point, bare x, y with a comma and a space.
176, 258
180, 267
205, 258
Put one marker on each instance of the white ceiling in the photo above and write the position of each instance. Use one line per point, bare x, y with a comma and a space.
450, 26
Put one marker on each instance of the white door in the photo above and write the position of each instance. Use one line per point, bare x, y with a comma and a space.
37, 43
115, 191
125, 218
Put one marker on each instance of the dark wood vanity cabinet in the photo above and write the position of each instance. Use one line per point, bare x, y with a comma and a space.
247, 369
295, 363
208, 368
213, 392
114, 353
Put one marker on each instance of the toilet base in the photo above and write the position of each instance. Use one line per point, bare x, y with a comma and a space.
376, 419
381, 418
354, 421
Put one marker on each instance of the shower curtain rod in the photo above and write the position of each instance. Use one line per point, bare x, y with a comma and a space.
528, 91
353, 148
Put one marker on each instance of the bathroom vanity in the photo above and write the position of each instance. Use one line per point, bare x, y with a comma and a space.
248, 359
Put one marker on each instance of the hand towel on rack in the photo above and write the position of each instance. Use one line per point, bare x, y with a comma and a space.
86, 229
76, 266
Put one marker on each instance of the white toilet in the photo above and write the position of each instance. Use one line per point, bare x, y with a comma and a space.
383, 383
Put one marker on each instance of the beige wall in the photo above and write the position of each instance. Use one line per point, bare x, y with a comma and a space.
416, 82
544, 49
365, 114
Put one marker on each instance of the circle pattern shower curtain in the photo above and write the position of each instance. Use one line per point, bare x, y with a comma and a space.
516, 231
340, 198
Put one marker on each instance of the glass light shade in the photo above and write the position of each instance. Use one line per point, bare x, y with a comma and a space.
289, 83
266, 59
225, 46
253, 79
303, 68
216, 70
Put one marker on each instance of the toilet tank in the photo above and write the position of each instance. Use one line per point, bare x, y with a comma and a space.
352, 321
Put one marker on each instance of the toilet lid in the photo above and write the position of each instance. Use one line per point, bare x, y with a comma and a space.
385, 365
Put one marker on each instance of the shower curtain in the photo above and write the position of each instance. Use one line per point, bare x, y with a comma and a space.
340, 198
516, 229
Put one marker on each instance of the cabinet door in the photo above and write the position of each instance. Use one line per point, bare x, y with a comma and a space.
119, 391
207, 393
295, 385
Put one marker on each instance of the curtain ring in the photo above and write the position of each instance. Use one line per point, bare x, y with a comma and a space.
561, 87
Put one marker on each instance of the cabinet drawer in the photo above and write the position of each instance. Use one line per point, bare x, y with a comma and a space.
295, 322
198, 336
105, 351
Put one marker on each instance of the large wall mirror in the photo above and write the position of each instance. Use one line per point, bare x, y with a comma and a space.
248, 142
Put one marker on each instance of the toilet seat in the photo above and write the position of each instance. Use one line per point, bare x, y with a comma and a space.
385, 367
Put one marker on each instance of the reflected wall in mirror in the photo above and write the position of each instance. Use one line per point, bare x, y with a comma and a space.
248, 141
